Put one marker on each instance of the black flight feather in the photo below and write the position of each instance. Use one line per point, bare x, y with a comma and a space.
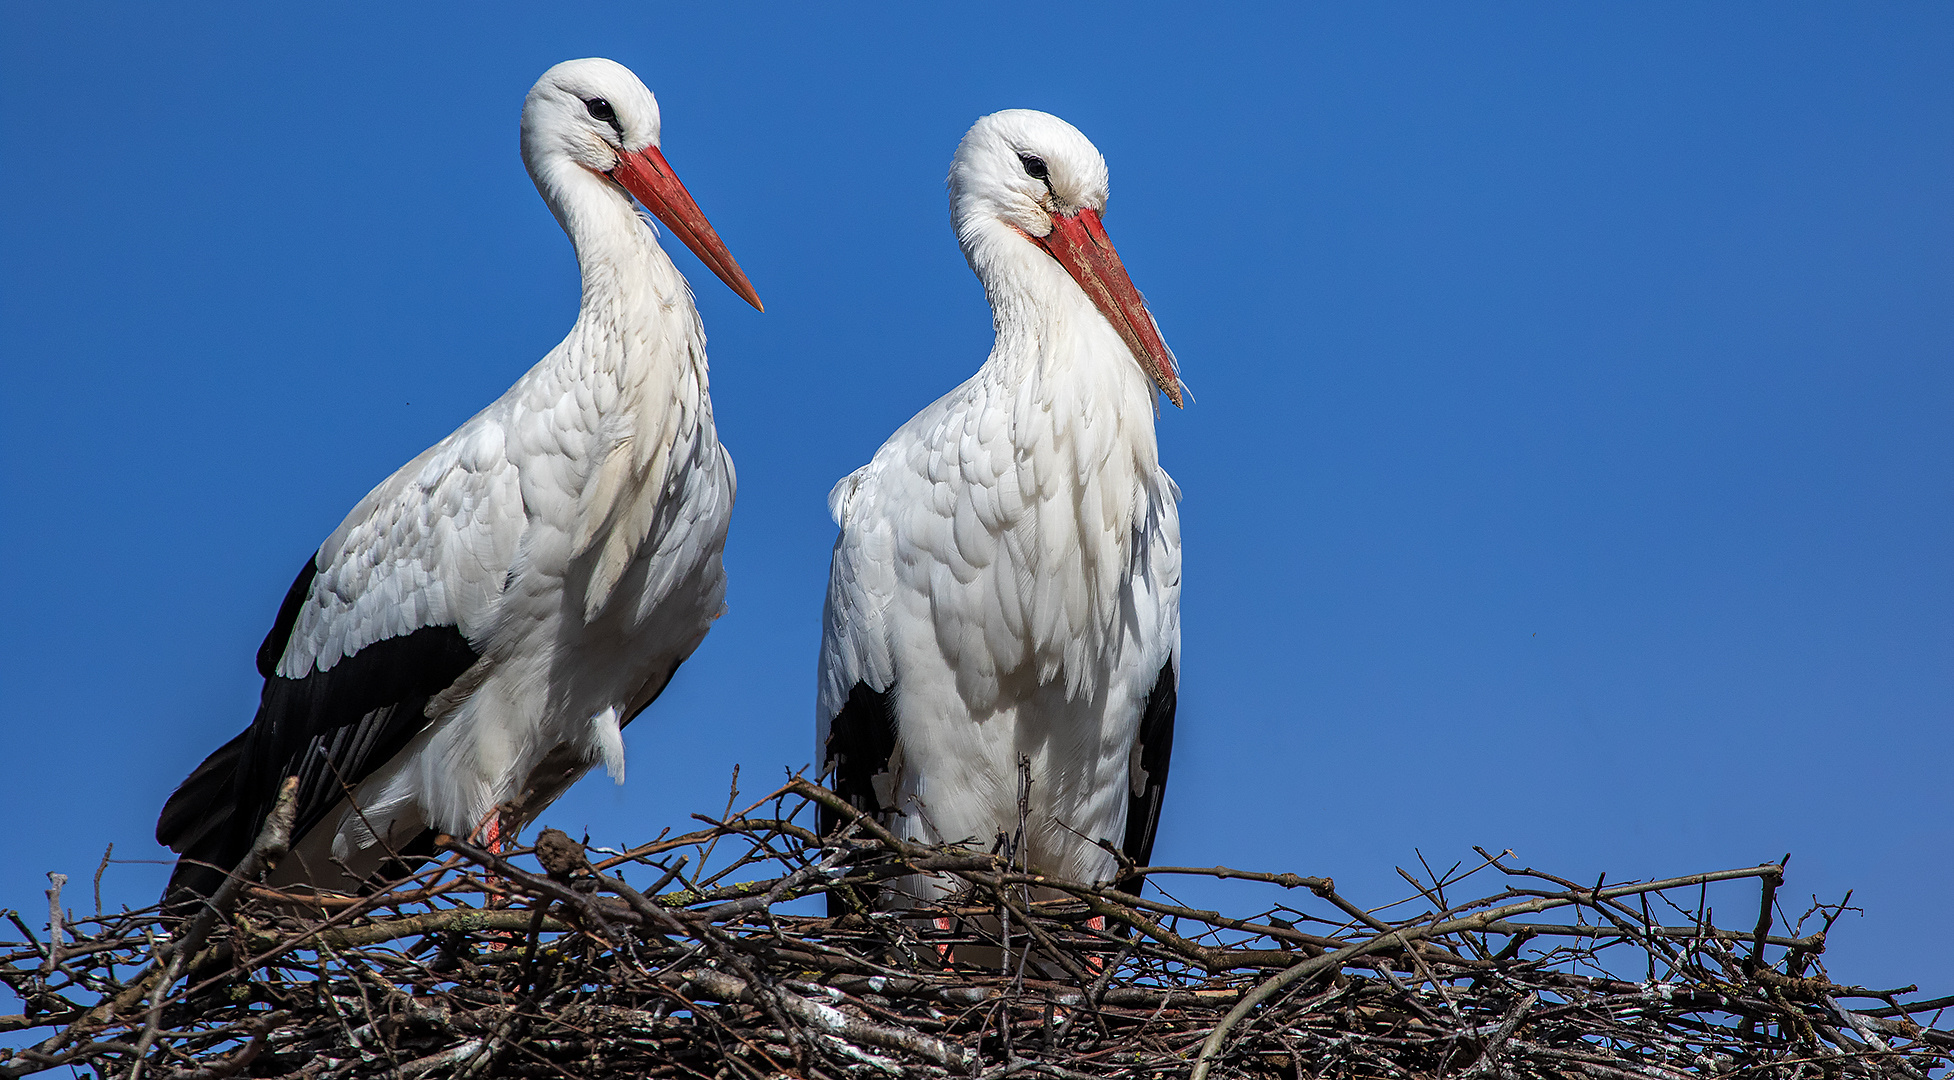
331, 729
861, 741
1156, 751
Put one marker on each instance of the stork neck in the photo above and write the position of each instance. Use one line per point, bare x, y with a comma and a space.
1049, 334
627, 277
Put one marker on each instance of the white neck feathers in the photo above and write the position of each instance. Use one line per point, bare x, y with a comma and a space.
1052, 343
1082, 432
636, 356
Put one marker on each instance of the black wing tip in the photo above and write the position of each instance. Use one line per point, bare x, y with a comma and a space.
191, 883
861, 740
331, 728
1156, 756
205, 799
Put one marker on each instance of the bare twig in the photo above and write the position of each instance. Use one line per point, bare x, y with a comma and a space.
491, 964
273, 839
54, 920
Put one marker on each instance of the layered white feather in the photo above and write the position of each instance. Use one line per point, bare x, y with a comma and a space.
1009, 561
572, 531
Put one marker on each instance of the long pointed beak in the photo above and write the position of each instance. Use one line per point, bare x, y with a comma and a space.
648, 176
1080, 245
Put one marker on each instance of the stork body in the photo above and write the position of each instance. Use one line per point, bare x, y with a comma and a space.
481, 626
1006, 585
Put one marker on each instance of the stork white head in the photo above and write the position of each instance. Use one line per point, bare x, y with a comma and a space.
595, 115
1025, 181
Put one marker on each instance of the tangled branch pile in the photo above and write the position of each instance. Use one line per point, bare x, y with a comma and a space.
479, 966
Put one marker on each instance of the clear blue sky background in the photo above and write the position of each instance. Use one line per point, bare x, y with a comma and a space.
1570, 470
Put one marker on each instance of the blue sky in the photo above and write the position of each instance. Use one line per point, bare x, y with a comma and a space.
1569, 472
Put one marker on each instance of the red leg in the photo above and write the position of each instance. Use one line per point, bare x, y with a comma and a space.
1096, 964
943, 949
490, 833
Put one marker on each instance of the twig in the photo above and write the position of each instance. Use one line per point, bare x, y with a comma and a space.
110, 850
718, 987
419, 981
274, 838
55, 882
1771, 883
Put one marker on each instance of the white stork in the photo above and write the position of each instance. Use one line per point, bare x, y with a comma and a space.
481, 626
1007, 579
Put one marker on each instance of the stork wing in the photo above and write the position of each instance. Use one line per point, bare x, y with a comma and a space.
383, 618
855, 716
1149, 775
687, 532
1154, 600
688, 536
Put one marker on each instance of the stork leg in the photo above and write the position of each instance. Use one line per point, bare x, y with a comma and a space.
1095, 963
944, 950
489, 832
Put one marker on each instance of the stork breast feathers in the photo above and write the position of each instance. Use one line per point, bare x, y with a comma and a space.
656, 414
1013, 538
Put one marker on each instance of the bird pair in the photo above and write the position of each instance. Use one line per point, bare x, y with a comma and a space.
1003, 605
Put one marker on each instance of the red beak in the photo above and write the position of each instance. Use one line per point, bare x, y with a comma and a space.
648, 176
1080, 245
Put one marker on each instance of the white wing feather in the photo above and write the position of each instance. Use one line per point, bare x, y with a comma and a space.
430, 546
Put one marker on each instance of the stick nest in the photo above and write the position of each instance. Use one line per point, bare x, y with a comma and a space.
547, 963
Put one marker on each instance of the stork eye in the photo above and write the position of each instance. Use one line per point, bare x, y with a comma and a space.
1034, 166
602, 110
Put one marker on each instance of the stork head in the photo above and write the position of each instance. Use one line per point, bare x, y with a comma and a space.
595, 115
1026, 186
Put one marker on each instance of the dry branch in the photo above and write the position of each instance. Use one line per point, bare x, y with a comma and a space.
549, 963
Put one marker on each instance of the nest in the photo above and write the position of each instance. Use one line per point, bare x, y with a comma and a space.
545, 962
